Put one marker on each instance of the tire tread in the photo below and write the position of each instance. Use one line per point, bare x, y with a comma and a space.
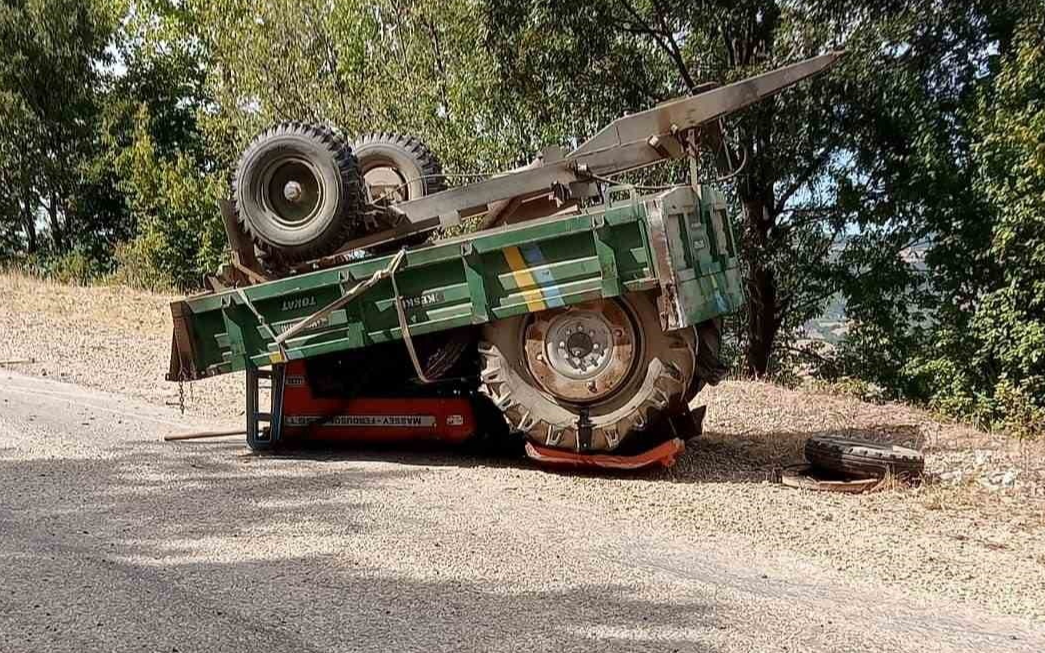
351, 192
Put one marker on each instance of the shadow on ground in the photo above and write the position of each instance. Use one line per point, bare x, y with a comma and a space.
716, 456
723, 456
197, 548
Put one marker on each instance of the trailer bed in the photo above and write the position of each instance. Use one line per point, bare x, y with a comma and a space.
678, 242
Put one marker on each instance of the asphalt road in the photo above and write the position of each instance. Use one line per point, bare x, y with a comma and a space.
112, 540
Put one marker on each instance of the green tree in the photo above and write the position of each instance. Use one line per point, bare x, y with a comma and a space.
974, 346
51, 58
163, 170
832, 194
180, 236
1010, 319
400, 65
998, 355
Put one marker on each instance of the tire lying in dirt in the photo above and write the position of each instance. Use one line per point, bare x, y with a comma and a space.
608, 360
298, 192
863, 458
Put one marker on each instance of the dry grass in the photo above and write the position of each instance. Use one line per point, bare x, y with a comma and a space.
757, 427
108, 337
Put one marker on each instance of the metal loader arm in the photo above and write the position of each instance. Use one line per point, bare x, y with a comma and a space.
628, 143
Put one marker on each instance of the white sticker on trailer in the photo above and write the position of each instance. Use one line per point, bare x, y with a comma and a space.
387, 421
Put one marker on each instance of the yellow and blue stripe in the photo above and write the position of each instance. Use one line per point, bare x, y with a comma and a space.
538, 286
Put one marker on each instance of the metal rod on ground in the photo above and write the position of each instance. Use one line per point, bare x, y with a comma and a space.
202, 435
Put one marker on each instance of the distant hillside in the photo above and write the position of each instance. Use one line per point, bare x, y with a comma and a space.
832, 325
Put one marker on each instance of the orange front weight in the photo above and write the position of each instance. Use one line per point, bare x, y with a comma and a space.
663, 455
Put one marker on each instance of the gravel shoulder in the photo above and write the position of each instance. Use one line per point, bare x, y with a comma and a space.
112, 540
965, 539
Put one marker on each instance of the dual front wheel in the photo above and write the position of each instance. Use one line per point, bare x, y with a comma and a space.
301, 191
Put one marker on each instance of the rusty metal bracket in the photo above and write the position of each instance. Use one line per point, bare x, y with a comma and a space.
660, 235
244, 260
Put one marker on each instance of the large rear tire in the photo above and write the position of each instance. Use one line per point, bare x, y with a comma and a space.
541, 395
297, 191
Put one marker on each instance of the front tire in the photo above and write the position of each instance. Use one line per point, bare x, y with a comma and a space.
297, 191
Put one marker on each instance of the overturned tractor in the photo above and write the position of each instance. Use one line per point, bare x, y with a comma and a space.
583, 316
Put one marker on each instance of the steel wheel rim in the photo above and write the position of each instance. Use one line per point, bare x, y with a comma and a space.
386, 182
584, 354
292, 192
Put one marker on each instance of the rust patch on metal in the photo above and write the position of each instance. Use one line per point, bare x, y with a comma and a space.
581, 354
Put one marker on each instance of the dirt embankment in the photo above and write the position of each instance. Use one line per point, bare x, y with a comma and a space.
112, 337
974, 533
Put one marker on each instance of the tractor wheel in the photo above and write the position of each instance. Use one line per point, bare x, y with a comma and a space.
398, 168
297, 191
710, 369
588, 376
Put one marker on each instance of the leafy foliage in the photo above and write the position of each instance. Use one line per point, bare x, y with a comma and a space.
973, 345
180, 235
401, 65
909, 182
49, 90
833, 190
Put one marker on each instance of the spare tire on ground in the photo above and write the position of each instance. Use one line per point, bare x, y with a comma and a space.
863, 458
297, 191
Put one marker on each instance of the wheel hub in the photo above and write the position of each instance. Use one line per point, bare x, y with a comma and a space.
293, 192
581, 354
386, 183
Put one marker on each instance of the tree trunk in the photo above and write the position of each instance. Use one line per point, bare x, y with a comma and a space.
762, 324
56, 226
747, 43
30, 233
763, 306
28, 217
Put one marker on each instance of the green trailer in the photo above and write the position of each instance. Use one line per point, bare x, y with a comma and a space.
583, 317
